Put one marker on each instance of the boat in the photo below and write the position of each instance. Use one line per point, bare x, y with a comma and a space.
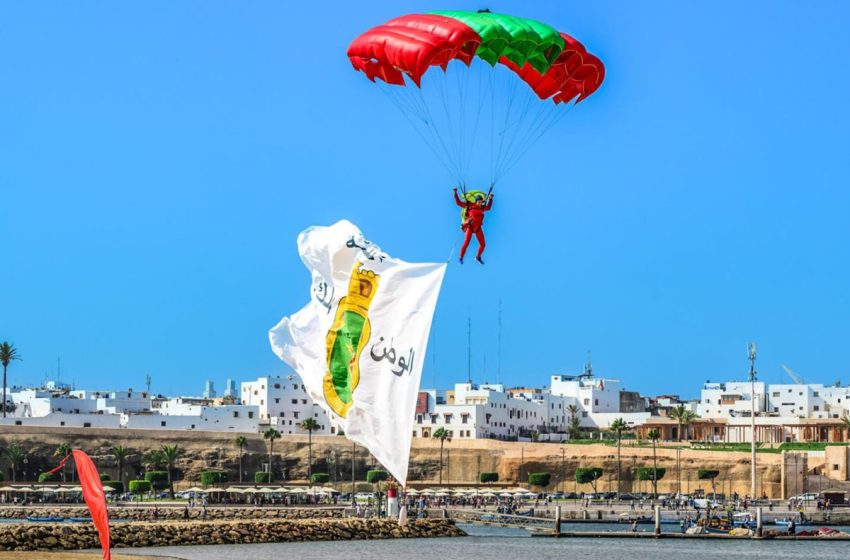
45, 518
785, 522
80, 519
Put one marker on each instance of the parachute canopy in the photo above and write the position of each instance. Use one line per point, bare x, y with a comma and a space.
553, 65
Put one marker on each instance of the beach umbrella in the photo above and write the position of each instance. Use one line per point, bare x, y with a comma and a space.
267, 490
413, 492
216, 491
7, 489
24, 489
106, 489
237, 489
506, 495
194, 489
442, 494
298, 491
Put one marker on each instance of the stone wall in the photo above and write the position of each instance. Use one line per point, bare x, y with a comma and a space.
144, 513
39, 536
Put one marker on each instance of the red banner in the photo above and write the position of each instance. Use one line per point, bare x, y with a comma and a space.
95, 498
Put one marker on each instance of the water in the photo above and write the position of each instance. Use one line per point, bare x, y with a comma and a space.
492, 543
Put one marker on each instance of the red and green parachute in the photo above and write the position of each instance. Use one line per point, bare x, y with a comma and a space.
552, 64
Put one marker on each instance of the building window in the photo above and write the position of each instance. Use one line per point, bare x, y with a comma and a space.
162, 423
776, 393
277, 401
295, 414
294, 401
251, 414
277, 385
586, 401
584, 414
236, 414
303, 401
86, 424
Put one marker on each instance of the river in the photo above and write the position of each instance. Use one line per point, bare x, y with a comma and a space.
485, 543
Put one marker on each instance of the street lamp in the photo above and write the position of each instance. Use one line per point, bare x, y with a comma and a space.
751, 353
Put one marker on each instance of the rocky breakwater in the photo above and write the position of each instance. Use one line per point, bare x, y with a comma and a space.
39, 536
144, 513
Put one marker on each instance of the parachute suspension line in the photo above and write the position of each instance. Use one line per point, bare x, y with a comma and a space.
511, 94
436, 132
444, 94
561, 114
482, 94
463, 88
518, 124
407, 115
523, 134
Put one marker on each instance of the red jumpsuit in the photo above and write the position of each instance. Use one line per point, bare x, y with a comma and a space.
473, 223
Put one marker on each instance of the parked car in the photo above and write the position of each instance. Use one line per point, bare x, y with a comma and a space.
809, 497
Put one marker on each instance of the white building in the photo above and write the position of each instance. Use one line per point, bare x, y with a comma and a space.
731, 400
283, 403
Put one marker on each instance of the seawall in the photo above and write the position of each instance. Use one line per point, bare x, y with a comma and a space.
42, 536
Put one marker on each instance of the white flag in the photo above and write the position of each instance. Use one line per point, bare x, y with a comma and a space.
359, 345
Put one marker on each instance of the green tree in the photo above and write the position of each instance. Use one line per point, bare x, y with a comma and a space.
442, 434
588, 475
539, 479
62, 451
8, 354
487, 477
271, 434
170, 454
683, 417
208, 478
241, 442
574, 423
619, 426
319, 478
16, 455
376, 476
120, 452
309, 424
708, 474
654, 435
139, 487
153, 460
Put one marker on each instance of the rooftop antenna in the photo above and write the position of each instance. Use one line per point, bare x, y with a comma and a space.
751, 355
469, 348
588, 366
148, 383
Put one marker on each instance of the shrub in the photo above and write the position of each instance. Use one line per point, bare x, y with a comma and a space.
707, 474
645, 473
486, 477
1, 477
119, 486
140, 486
376, 476
103, 476
263, 478
213, 477
588, 475
46, 477
320, 478
158, 479
539, 479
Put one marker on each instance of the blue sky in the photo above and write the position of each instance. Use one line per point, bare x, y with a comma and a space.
158, 159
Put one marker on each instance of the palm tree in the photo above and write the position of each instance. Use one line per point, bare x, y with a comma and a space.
619, 426
62, 451
16, 455
442, 434
8, 353
241, 441
683, 417
309, 424
170, 453
120, 453
271, 434
153, 459
846, 426
574, 422
654, 436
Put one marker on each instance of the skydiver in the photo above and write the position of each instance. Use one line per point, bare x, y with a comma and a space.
473, 222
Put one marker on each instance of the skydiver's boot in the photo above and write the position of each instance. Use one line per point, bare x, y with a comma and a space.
479, 260
461, 260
